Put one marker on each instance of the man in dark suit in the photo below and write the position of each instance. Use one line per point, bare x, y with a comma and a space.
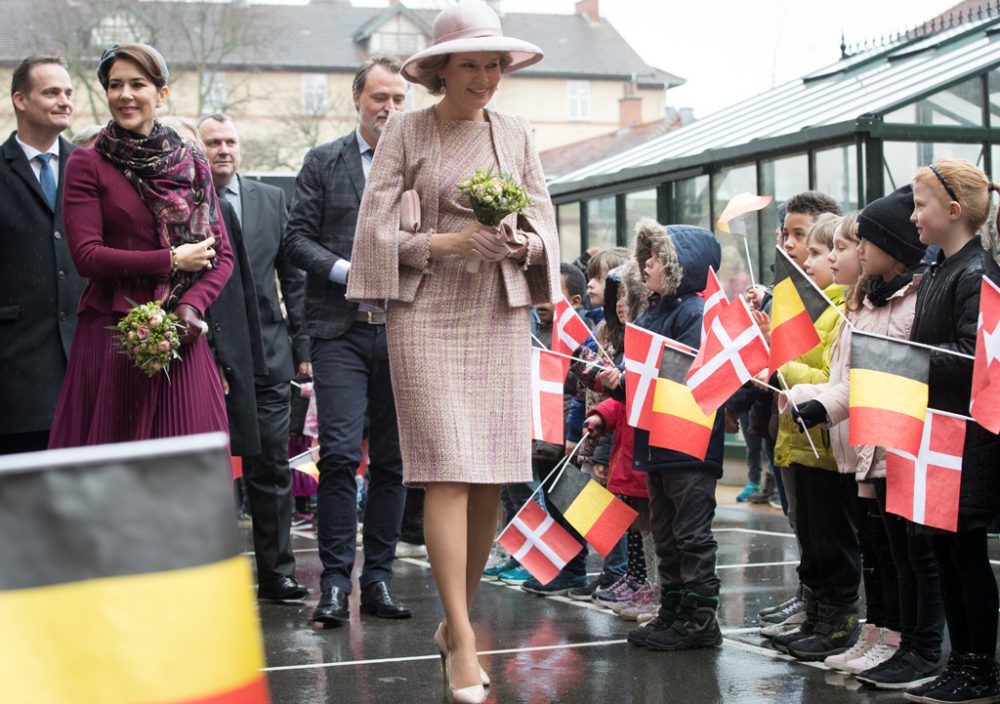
39, 286
261, 213
350, 358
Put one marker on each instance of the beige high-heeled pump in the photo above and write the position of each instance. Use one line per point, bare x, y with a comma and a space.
474, 694
442, 645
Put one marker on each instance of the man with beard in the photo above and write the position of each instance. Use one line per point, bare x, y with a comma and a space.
350, 358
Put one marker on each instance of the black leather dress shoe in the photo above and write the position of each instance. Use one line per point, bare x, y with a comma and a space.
285, 589
332, 609
377, 598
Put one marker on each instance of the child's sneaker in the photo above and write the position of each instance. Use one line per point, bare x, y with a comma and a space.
303, 520
647, 616
498, 569
586, 592
498, 556
559, 586
515, 577
748, 490
646, 600
770, 630
621, 592
878, 654
778, 613
967, 678
869, 638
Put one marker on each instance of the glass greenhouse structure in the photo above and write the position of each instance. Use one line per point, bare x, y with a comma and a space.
856, 130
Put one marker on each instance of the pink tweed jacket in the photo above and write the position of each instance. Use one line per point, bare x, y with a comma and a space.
388, 263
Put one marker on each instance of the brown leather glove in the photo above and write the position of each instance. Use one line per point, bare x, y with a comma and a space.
193, 325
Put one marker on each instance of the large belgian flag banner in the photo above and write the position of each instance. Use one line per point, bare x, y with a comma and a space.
122, 579
888, 397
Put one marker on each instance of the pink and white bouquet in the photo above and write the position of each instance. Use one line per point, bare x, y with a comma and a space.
150, 337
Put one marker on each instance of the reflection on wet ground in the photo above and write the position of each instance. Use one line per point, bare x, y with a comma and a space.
542, 651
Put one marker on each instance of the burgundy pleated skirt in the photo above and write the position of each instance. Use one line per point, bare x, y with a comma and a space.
106, 399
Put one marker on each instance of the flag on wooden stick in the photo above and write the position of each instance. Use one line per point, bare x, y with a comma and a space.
678, 423
548, 375
730, 356
888, 395
569, 330
924, 487
985, 403
596, 514
643, 352
796, 306
715, 302
538, 543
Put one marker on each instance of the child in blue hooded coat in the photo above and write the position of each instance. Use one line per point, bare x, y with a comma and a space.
675, 263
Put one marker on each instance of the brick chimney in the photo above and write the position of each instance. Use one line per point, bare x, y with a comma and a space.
629, 111
589, 9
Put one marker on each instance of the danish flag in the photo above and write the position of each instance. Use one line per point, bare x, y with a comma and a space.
548, 373
643, 354
925, 488
732, 352
984, 405
542, 546
715, 302
569, 331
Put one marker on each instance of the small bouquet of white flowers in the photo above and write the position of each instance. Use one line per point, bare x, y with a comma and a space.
150, 337
493, 196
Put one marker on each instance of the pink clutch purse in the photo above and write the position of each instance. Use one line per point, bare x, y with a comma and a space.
409, 211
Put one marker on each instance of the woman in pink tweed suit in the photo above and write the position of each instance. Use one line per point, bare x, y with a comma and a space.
459, 344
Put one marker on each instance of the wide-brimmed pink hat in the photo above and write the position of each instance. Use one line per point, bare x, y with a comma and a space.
472, 26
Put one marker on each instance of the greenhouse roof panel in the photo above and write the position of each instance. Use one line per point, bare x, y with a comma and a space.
889, 80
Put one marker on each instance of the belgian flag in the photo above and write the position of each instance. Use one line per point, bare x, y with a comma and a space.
678, 423
596, 514
122, 578
888, 397
796, 306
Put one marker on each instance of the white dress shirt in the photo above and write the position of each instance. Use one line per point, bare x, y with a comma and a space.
31, 153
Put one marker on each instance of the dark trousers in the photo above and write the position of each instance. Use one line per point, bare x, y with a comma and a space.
970, 591
13, 443
755, 443
412, 530
824, 519
513, 497
542, 469
350, 376
267, 483
921, 606
681, 510
878, 570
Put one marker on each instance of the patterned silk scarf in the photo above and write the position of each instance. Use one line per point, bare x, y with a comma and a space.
175, 180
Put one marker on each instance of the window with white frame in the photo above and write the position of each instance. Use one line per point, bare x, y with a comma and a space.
213, 91
578, 93
314, 92
118, 28
398, 36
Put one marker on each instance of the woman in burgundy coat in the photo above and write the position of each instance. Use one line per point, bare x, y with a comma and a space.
142, 223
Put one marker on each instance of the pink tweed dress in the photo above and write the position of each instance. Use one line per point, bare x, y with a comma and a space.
459, 354
459, 342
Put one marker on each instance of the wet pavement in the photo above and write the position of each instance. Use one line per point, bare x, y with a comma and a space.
546, 650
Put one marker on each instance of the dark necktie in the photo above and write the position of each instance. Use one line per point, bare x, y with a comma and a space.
47, 178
